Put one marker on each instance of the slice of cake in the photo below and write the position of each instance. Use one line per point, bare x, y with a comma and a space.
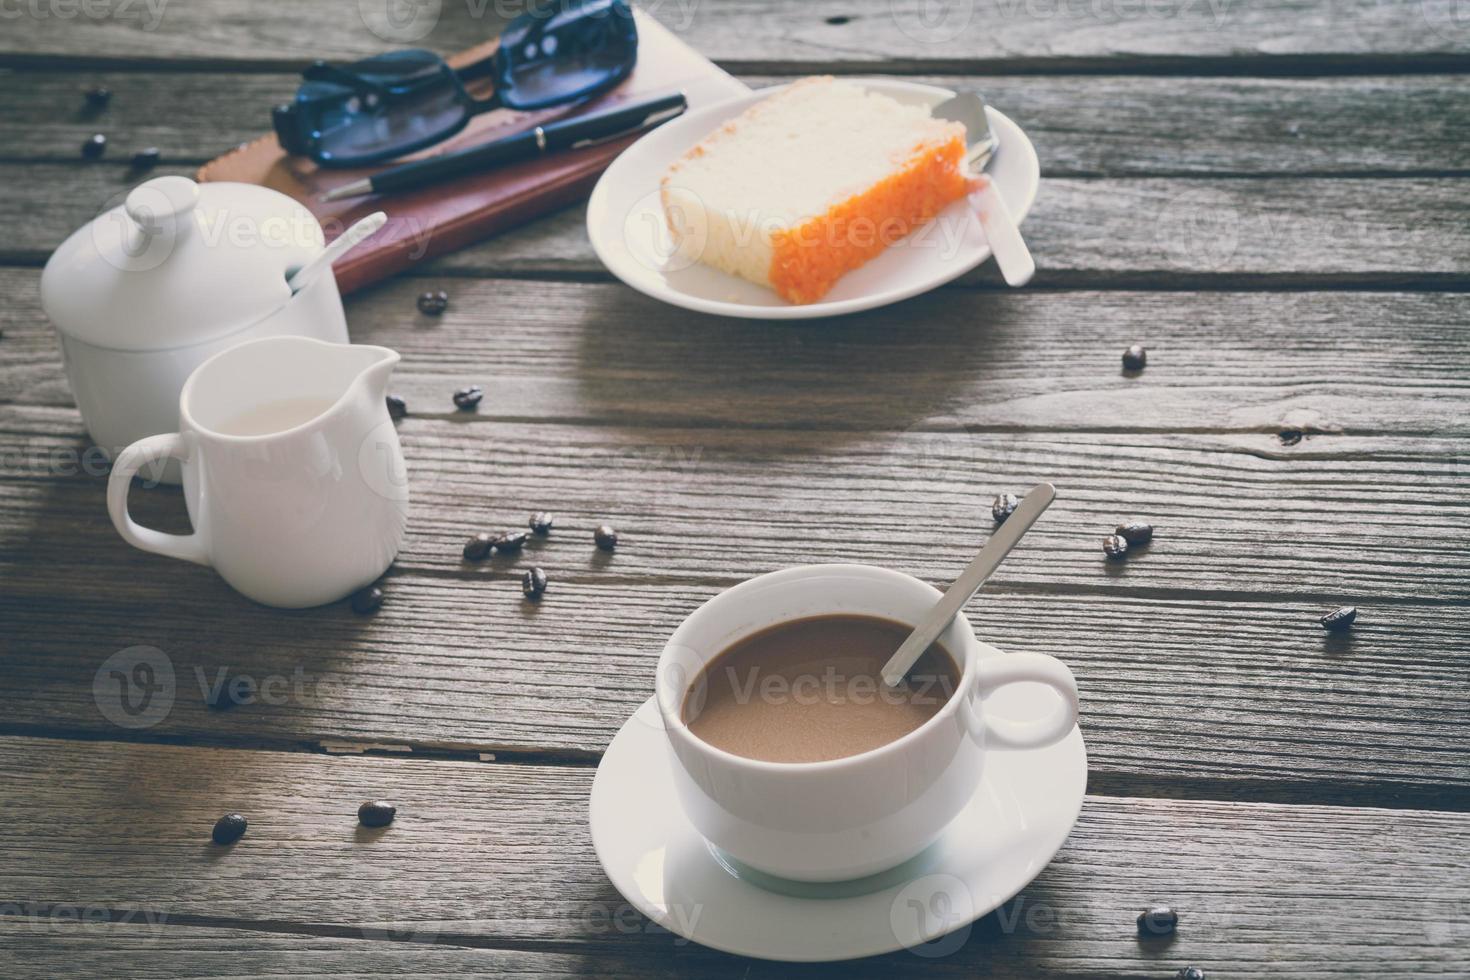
811, 183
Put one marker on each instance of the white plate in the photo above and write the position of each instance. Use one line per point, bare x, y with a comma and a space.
1026, 805
626, 223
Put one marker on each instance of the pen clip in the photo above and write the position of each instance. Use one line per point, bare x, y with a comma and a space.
648, 121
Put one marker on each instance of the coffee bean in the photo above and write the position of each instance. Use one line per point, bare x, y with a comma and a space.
467, 398
478, 547
1160, 920
146, 158
376, 813
605, 537
433, 302
367, 601
510, 542
229, 828
1190, 973
397, 407
98, 96
1003, 506
533, 583
1136, 532
541, 523
1340, 619
94, 147
1134, 358
1115, 546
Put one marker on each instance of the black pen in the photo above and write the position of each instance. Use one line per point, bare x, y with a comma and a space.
563, 134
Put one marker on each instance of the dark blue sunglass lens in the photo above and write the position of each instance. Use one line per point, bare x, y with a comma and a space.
566, 50
382, 106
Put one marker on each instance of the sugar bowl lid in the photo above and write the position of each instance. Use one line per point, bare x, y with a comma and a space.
178, 263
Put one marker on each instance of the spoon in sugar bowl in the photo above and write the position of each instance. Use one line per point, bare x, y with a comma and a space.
937, 620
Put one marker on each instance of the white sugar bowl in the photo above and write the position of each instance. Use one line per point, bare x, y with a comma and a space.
181, 271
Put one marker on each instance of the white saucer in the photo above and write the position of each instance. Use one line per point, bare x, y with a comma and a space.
1026, 805
626, 224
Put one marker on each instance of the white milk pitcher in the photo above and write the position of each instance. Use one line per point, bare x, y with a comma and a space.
292, 471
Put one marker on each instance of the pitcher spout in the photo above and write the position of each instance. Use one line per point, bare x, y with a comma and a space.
374, 376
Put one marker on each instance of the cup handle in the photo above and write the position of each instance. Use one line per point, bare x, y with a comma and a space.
188, 547
1006, 733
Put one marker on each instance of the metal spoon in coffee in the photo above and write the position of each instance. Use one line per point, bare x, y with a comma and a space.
937, 620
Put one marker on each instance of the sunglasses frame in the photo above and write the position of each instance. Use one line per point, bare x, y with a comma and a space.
295, 121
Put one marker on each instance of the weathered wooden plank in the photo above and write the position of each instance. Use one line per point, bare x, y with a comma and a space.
1148, 233
762, 34
1251, 548
712, 504
955, 360
483, 854
1106, 126
1241, 699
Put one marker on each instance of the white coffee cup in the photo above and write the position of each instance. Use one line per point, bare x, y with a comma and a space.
856, 816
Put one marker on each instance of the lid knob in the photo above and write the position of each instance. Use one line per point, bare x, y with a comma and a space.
157, 203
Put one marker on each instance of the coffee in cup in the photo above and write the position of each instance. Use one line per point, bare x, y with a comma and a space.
811, 690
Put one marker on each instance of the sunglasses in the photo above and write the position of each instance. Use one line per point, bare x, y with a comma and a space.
396, 103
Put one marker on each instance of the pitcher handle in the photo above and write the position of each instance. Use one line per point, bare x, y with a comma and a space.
189, 547
1007, 733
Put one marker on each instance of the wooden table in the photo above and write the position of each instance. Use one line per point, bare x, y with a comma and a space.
1273, 197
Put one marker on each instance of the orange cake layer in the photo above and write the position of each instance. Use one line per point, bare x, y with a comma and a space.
810, 258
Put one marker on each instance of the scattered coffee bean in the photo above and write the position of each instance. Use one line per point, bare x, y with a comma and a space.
146, 158
367, 601
541, 523
1003, 506
1190, 973
1290, 437
229, 828
94, 147
1134, 358
605, 537
1115, 546
397, 407
98, 96
1160, 920
533, 583
376, 813
478, 547
510, 542
1136, 532
433, 302
1340, 619
467, 398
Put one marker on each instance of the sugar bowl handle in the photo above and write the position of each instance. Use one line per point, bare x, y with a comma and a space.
189, 547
